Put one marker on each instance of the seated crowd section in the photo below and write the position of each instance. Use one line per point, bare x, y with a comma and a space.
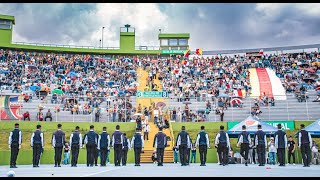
103, 88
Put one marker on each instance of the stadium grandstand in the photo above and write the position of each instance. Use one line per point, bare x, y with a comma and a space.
169, 82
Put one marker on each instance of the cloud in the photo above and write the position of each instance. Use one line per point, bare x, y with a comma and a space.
211, 26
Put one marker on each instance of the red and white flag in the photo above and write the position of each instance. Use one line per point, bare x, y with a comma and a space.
261, 51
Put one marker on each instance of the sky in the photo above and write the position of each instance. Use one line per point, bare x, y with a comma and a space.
213, 26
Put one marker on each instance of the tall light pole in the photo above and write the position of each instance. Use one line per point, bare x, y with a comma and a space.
102, 37
100, 43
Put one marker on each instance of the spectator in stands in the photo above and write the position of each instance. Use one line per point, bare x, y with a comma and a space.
26, 115
48, 115
54, 99
40, 115
26, 97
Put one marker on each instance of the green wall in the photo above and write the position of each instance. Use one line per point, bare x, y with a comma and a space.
5, 36
127, 41
81, 50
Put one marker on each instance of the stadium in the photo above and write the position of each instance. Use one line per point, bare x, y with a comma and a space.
167, 86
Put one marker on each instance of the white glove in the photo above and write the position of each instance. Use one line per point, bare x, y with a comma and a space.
20, 146
9, 146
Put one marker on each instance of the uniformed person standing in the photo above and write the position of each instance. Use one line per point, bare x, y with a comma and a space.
223, 144
37, 144
244, 141
103, 146
160, 143
117, 144
280, 142
91, 141
203, 143
58, 141
76, 143
14, 144
189, 150
183, 142
305, 144
137, 143
260, 142
124, 152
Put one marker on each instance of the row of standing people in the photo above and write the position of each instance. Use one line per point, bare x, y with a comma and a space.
222, 143
102, 142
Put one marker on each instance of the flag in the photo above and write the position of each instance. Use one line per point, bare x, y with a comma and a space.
261, 51
186, 53
199, 51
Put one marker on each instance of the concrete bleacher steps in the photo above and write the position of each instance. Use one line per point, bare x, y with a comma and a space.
146, 156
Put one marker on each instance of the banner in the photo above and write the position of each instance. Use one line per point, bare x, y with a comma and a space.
286, 125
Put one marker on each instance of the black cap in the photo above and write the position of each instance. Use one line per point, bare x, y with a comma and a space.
117, 127
302, 125
244, 126
59, 125
160, 128
202, 127
77, 127
38, 126
183, 128
16, 124
221, 127
259, 126
91, 126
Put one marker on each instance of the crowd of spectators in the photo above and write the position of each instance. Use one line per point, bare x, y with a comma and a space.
80, 83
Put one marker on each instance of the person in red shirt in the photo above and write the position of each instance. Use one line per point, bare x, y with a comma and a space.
26, 115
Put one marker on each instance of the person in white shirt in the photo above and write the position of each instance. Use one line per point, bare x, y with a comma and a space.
146, 132
156, 116
272, 151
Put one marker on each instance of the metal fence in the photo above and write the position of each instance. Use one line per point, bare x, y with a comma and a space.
234, 108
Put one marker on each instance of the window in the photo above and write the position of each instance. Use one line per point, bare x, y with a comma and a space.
5, 26
182, 42
165, 48
183, 48
174, 48
173, 42
164, 42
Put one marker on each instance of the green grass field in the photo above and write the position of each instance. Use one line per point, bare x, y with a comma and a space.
25, 154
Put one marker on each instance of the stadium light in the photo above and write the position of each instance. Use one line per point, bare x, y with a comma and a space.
127, 26
102, 38
100, 43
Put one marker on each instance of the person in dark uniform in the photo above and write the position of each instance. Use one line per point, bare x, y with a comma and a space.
260, 141
125, 148
58, 141
223, 145
91, 141
160, 143
37, 144
103, 146
137, 143
76, 143
280, 141
244, 141
189, 151
117, 144
203, 143
14, 144
183, 142
305, 144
